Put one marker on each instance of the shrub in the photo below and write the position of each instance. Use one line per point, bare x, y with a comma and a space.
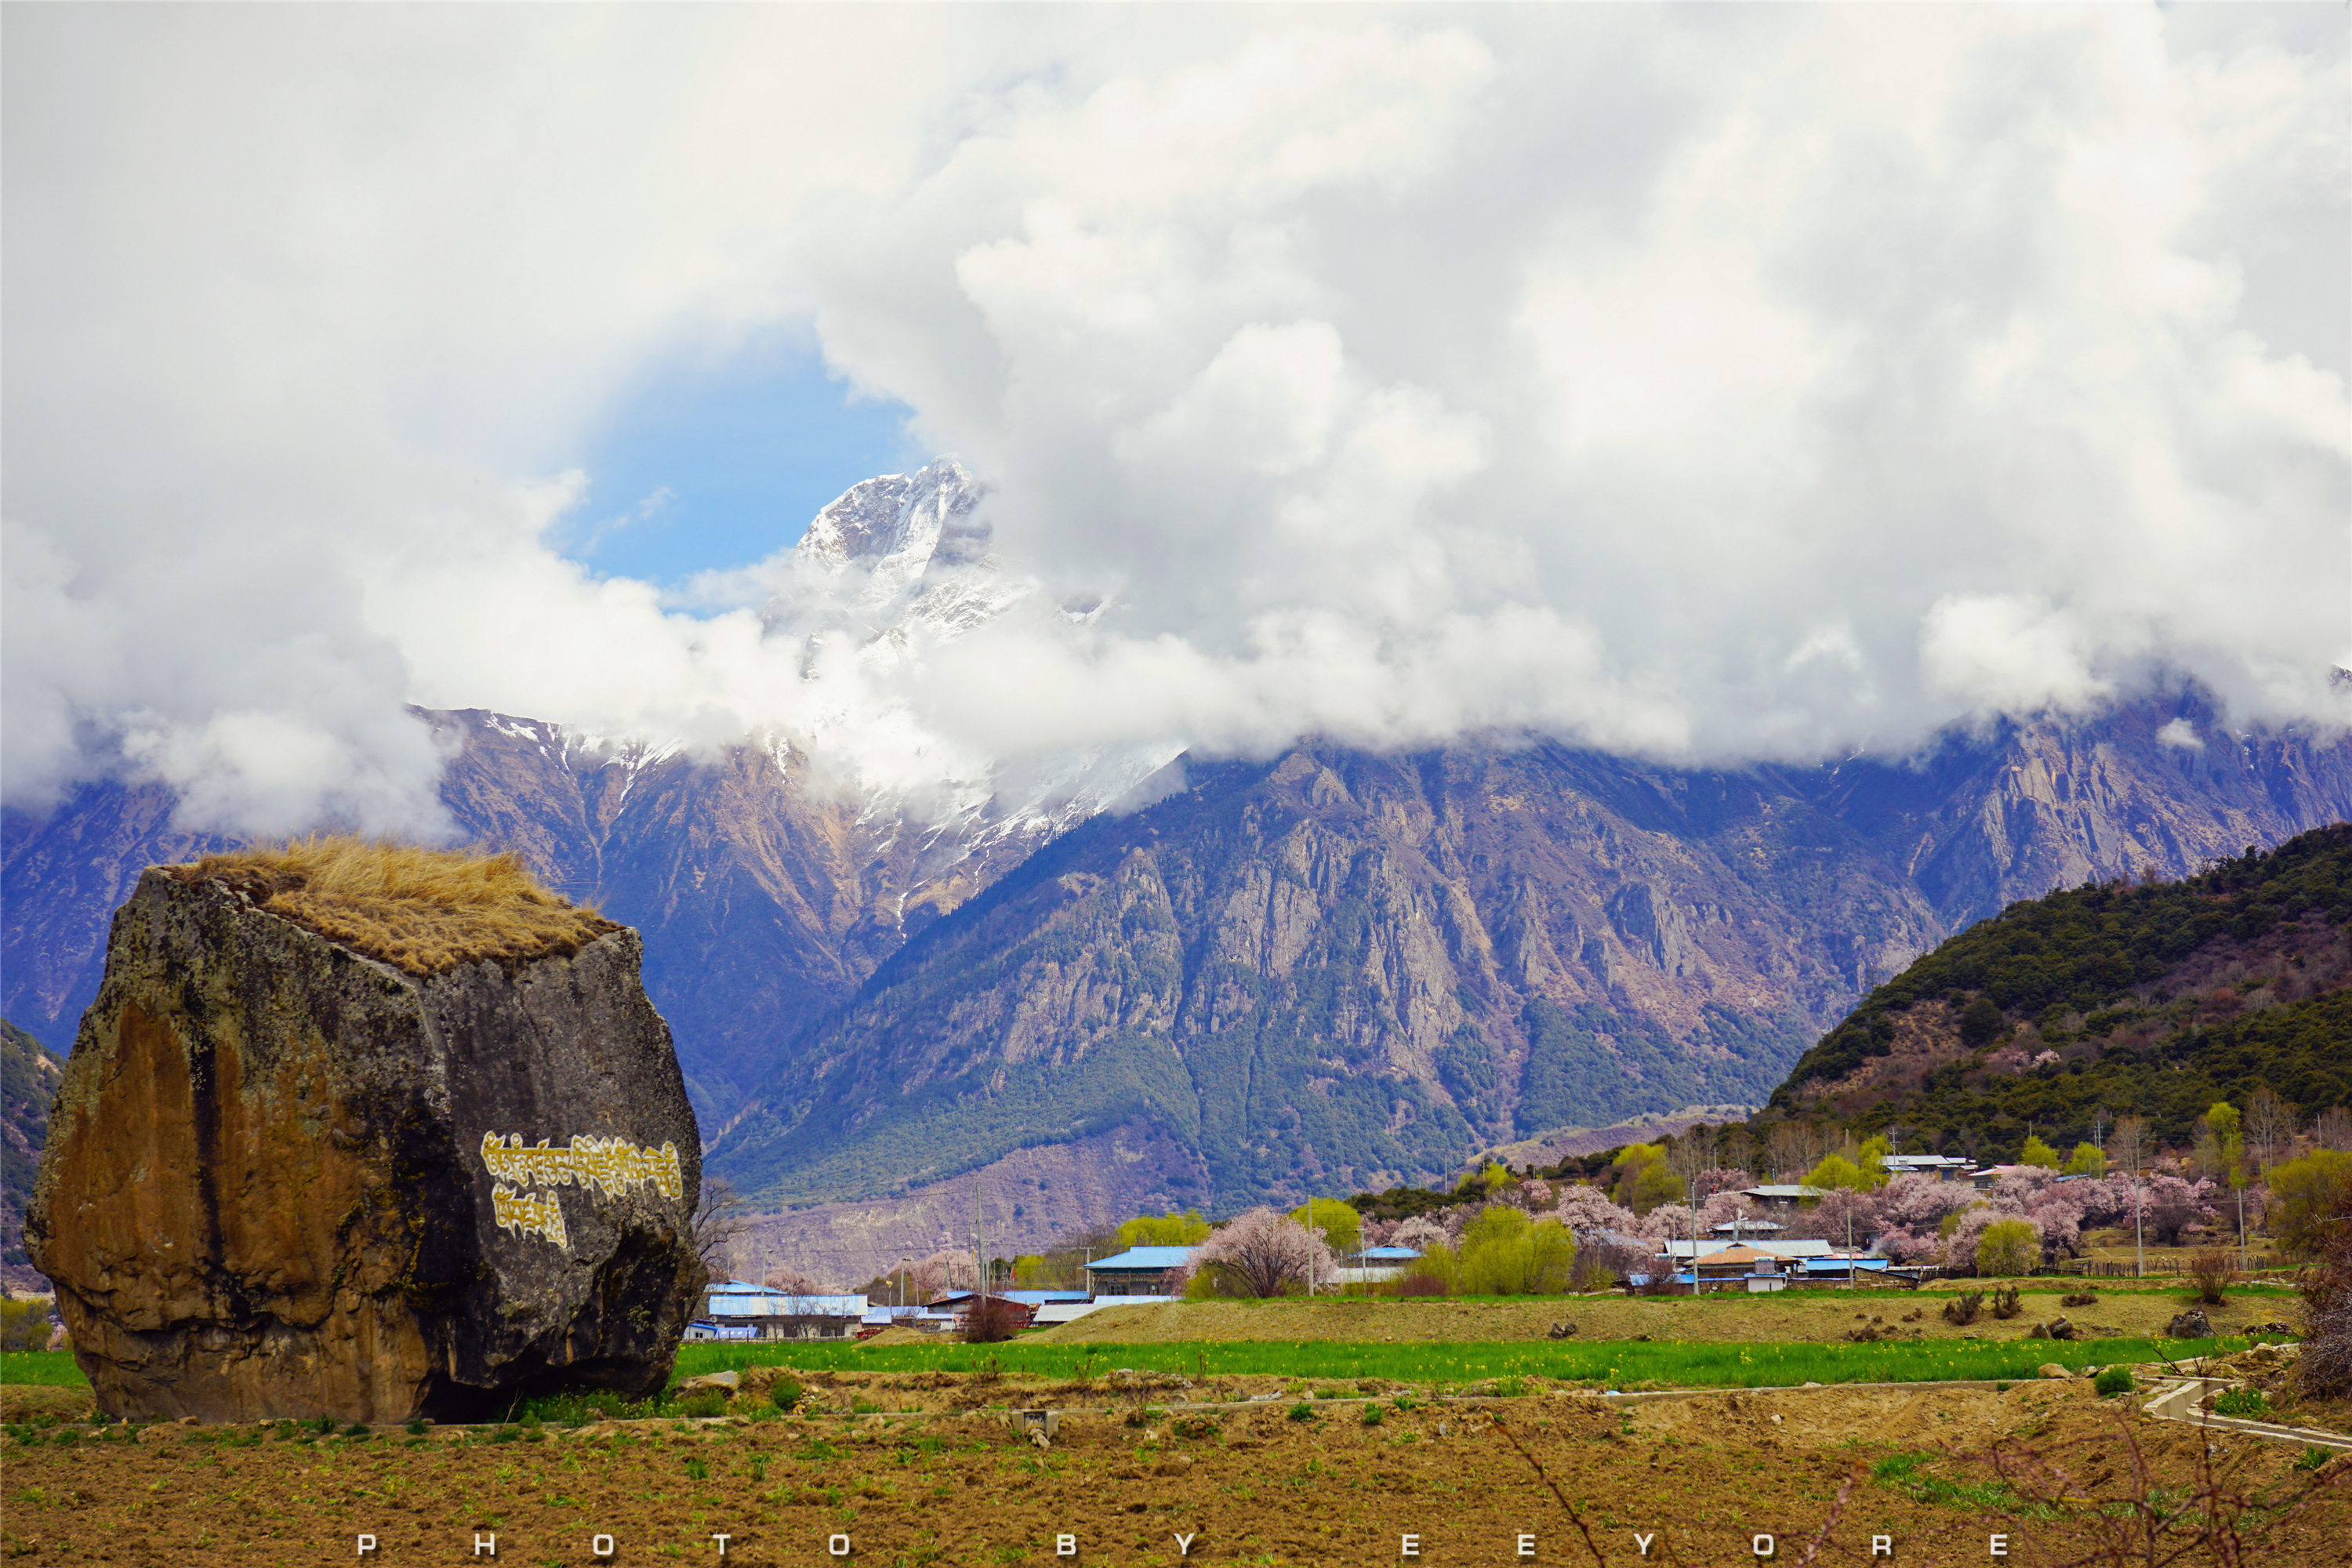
24, 1325
1303, 1411
700, 1406
2115, 1379
2314, 1196
2324, 1368
1373, 1416
2009, 1247
1601, 1264
994, 1320
1962, 1310
1421, 1283
2005, 1304
2208, 1272
786, 1393
1980, 1020
2242, 1401
1504, 1253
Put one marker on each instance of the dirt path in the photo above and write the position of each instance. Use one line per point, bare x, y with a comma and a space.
1702, 1476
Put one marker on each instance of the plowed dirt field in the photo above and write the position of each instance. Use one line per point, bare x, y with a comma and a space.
1933, 1474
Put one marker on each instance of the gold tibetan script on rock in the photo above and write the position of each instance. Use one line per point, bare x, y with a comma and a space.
611, 1165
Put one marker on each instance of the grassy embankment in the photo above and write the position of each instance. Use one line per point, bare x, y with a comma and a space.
1608, 1364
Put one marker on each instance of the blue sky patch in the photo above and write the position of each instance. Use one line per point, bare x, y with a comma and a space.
710, 466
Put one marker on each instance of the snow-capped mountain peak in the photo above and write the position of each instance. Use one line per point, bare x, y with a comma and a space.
899, 526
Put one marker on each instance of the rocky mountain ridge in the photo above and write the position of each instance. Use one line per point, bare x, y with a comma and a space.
1340, 970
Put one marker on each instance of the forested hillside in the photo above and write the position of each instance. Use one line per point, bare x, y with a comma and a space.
2154, 999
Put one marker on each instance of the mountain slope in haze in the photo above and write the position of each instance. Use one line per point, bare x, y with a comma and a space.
29, 1076
1351, 969
2153, 999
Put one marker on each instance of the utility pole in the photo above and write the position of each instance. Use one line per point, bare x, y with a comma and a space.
1849, 1247
2139, 1210
1310, 1238
1691, 1189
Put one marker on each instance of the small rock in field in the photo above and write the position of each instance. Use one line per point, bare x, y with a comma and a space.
2051, 1369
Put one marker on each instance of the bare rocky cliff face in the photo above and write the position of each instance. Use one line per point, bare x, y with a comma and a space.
285, 1179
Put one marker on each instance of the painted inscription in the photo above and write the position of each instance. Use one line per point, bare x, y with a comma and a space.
528, 1215
611, 1165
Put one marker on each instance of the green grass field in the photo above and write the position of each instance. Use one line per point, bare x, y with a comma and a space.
53, 1368
1606, 1364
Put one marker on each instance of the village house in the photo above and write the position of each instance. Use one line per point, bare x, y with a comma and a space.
737, 1309
1138, 1271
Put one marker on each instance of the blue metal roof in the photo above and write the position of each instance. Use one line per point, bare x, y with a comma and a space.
755, 1303
1147, 1258
1389, 1254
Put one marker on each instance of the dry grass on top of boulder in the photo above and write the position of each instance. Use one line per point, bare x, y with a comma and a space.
422, 910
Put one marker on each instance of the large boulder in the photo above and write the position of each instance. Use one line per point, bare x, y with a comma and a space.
326, 1148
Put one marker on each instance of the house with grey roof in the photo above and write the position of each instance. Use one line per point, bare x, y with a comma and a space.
1138, 1271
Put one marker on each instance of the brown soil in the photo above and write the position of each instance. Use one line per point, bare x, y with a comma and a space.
2130, 1311
1707, 1473
30, 1402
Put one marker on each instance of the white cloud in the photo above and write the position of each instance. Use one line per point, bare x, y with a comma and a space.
1711, 384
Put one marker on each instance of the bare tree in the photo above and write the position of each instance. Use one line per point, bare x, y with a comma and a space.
1691, 1156
1787, 1148
2270, 1124
792, 1282
719, 1221
2333, 1128
2128, 1144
